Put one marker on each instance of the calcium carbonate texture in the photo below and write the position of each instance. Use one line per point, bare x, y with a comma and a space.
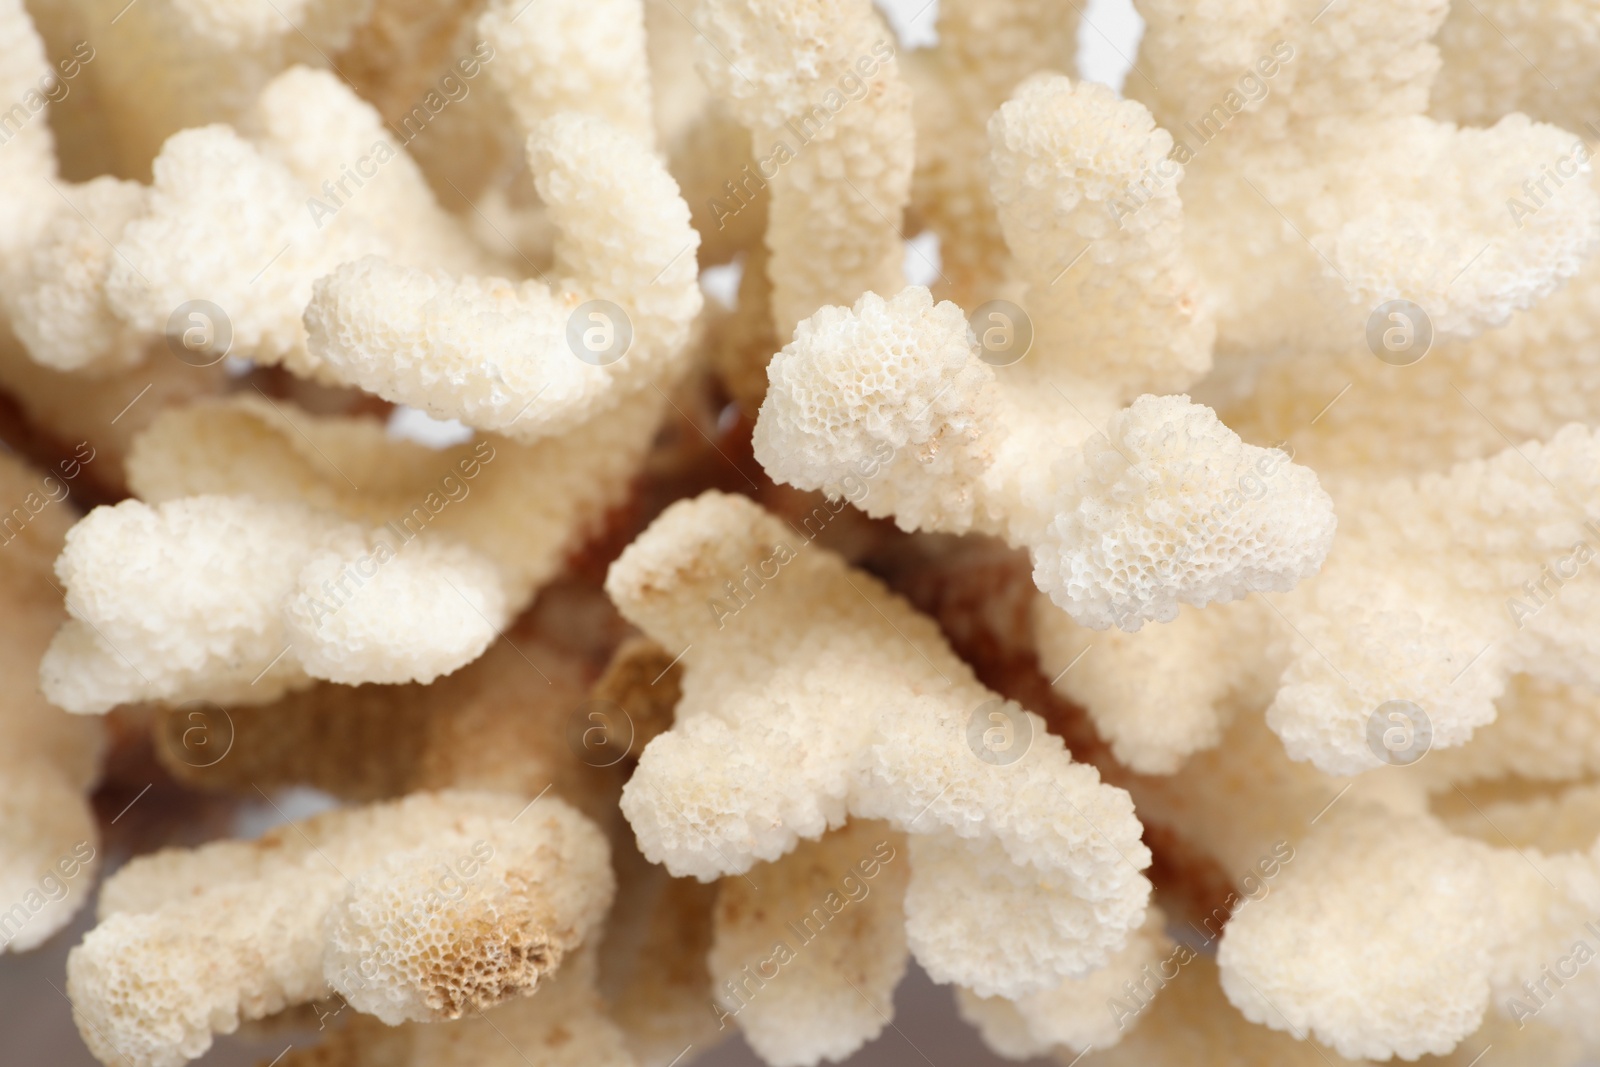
1173, 626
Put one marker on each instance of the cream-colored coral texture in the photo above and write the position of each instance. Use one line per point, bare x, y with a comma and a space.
635, 533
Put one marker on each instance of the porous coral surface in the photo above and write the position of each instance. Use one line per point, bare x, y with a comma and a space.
548, 533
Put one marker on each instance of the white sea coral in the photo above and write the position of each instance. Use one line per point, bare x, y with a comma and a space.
1318, 189
248, 221
1127, 514
420, 909
819, 88
267, 564
531, 359
1390, 629
436, 608
807, 952
179, 65
1379, 859
1430, 986
986, 48
1159, 695
787, 650
49, 842
1066, 162
523, 506
566, 1024
1327, 419
890, 403
1472, 589
572, 55
1085, 1013
234, 617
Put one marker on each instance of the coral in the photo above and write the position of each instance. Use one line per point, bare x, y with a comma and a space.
986, 47
780, 639
251, 221
49, 841
713, 507
337, 569
891, 403
819, 89
419, 909
830, 958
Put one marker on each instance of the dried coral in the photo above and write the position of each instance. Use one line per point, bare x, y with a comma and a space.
420, 909
1172, 626
791, 650
49, 842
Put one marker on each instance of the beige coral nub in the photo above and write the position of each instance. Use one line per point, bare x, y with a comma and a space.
1092, 1012
1169, 506
422, 908
523, 358
1161, 693
1431, 599
1305, 961
1078, 174
819, 87
889, 406
240, 599
785, 650
476, 942
56, 297
210, 181
29, 162
808, 951
986, 48
49, 842
523, 506
884, 405
582, 56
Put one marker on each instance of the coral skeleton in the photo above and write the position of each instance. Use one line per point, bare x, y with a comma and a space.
559, 533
